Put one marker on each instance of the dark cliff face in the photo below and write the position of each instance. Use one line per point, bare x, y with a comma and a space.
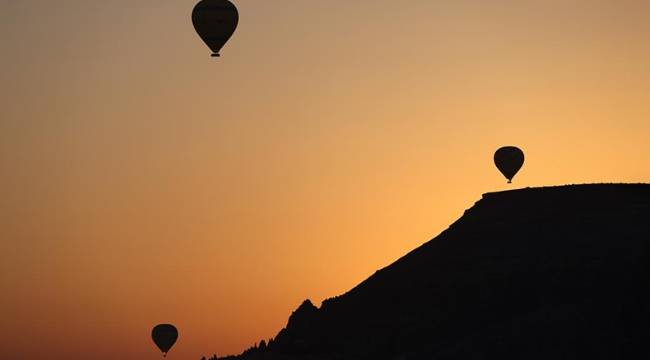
548, 273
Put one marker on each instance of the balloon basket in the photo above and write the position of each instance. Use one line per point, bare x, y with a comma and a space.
216, 55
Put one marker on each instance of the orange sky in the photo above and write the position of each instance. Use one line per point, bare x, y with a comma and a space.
145, 182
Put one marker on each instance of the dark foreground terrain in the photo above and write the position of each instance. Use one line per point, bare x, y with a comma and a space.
545, 273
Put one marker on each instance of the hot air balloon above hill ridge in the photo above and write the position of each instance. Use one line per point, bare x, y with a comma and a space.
509, 160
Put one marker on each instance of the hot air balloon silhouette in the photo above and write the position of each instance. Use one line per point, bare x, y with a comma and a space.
164, 336
215, 21
509, 159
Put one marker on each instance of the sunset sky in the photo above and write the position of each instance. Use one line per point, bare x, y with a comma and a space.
143, 181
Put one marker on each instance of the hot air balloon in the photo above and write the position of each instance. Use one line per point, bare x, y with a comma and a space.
164, 336
509, 159
215, 21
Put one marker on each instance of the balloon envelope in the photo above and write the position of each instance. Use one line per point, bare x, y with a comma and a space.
164, 336
509, 159
215, 21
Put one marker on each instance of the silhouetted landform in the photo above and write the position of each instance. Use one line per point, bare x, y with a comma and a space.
544, 273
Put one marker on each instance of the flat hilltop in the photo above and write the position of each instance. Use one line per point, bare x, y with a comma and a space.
538, 273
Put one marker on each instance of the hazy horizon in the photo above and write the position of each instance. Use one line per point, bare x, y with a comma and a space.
145, 182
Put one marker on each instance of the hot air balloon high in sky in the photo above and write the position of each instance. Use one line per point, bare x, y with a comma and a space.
509, 160
215, 21
164, 336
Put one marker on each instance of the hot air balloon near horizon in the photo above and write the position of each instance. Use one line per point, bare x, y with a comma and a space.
215, 21
164, 336
509, 160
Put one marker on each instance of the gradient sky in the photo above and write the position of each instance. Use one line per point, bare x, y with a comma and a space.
143, 181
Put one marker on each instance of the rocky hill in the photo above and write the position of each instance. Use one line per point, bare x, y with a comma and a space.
542, 273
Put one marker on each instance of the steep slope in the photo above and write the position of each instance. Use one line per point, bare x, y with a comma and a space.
544, 273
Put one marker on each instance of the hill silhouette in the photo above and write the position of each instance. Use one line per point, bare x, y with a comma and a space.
542, 273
